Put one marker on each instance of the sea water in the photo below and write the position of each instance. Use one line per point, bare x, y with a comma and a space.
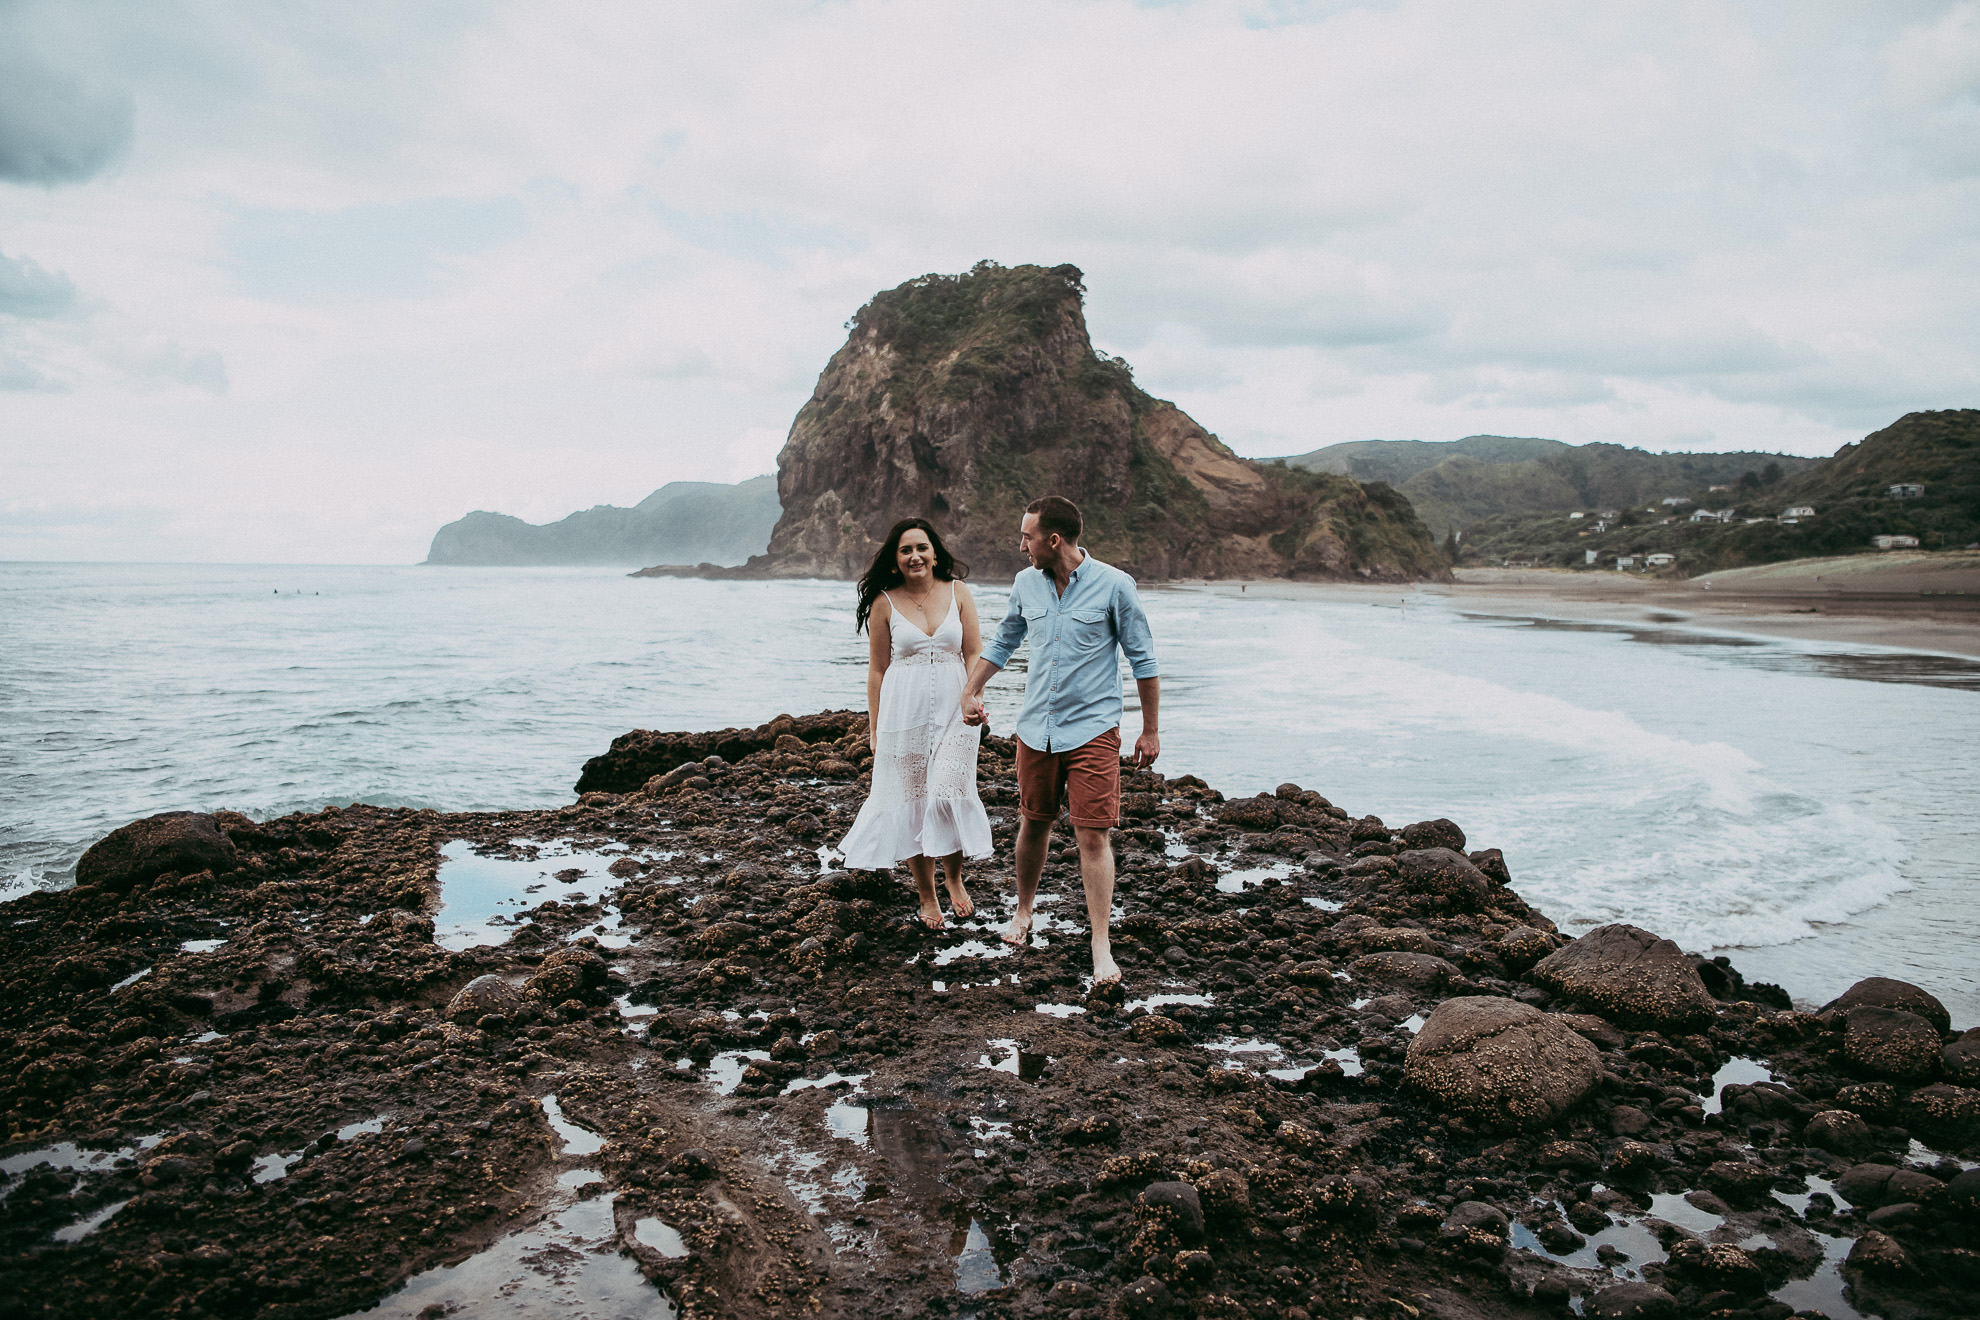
1807, 807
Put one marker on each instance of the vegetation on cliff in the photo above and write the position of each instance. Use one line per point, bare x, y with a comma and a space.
961, 398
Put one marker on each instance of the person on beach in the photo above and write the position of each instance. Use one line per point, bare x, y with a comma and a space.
922, 635
1078, 614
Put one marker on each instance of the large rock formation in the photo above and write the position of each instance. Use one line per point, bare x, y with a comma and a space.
961, 398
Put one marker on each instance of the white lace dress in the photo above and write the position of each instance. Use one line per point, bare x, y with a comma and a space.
923, 800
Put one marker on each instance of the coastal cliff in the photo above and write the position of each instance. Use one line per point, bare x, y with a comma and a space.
961, 398
289, 1069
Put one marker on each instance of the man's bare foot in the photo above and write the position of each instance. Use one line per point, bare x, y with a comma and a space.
1018, 933
1105, 969
959, 898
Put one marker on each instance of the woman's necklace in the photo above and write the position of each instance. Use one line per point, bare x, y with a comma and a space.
920, 602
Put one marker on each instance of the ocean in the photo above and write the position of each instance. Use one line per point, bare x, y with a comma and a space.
1806, 808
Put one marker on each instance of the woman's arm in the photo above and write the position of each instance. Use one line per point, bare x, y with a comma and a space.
972, 645
879, 654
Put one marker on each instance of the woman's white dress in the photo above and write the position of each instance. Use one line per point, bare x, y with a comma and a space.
923, 800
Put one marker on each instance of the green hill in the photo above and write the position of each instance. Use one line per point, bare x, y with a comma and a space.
1457, 484
682, 522
1850, 494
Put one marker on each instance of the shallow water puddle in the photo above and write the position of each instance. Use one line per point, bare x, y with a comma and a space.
971, 949
1736, 1072
850, 1122
567, 1265
83, 1227
661, 1236
1058, 1010
132, 979
1637, 1246
1153, 1002
199, 946
483, 898
68, 1156
1324, 904
1823, 1290
1020, 1063
577, 1140
977, 1270
1672, 1208
831, 1079
1237, 881
725, 1070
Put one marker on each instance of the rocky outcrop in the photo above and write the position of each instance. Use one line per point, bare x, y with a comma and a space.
684, 522
638, 756
328, 1103
1630, 975
1889, 1042
1883, 992
961, 398
1501, 1062
172, 841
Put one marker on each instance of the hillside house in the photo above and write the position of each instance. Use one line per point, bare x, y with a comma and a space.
1625, 561
1577, 515
1712, 515
1674, 501
1895, 542
1659, 560
1905, 490
1591, 556
1797, 513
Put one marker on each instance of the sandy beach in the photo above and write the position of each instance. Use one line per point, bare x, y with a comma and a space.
1917, 602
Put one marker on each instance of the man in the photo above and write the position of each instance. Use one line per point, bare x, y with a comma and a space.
1077, 612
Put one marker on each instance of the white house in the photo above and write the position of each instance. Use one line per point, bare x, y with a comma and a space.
1797, 513
1895, 542
1591, 556
1672, 501
1712, 515
1625, 561
1659, 560
1576, 515
1905, 490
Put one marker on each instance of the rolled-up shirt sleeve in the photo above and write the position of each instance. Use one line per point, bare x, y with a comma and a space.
1131, 625
1010, 633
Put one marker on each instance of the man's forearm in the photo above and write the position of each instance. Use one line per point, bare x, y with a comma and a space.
981, 671
1149, 692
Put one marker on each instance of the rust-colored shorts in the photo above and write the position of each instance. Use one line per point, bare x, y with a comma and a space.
1087, 779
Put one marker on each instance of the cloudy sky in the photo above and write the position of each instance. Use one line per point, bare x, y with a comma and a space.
302, 282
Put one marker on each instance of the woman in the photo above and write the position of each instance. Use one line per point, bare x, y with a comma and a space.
921, 636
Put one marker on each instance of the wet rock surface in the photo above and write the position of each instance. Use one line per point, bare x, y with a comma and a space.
685, 1058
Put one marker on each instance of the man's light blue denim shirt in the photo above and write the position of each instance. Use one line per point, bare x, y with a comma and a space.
1072, 692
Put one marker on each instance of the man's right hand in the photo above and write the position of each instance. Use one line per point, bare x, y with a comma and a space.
972, 709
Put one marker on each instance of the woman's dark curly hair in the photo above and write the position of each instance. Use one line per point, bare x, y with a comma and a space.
884, 574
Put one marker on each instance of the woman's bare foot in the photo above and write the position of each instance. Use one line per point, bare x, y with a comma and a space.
1105, 969
959, 898
1018, 933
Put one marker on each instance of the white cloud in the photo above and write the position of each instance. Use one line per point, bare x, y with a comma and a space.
360, 271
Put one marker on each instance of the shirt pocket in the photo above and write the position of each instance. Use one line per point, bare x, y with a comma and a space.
1086, 630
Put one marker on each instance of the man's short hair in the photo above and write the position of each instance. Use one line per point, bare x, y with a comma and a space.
1058, 514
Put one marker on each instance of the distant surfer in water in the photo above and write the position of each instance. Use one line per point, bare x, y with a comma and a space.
1079, 615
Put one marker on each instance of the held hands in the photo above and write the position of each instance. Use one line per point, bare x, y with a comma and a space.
1146, 748
972, 709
